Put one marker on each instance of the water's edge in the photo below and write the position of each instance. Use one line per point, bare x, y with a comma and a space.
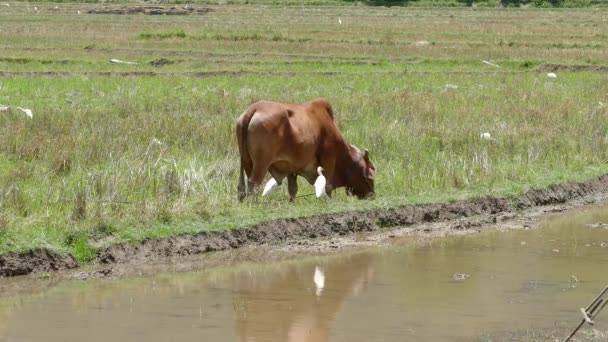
569, 194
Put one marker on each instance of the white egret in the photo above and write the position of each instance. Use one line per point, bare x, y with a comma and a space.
485, 136
551, 75
340, 20
270, 187
320, 183
27, 112
319, 280
460, 276
118, 61
490, 63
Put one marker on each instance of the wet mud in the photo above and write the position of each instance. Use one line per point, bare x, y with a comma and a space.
326, 233
37, 260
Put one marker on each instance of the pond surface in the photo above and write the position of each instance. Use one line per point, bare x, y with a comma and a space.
454, 289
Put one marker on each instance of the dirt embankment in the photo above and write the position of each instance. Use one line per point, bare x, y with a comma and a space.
428, 219
37, 260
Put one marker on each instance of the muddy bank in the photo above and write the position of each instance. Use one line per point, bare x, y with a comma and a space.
333, 231
283, 230
37, 260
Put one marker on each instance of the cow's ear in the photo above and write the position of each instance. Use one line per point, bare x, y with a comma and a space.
366, 154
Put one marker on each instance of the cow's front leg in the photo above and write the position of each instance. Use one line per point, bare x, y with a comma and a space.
292, 186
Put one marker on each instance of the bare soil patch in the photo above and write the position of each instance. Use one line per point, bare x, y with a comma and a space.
151, 10
326, 233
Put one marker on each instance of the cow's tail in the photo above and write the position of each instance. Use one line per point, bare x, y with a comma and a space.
246, 162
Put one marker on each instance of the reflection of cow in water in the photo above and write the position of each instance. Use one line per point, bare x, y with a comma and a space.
286, 306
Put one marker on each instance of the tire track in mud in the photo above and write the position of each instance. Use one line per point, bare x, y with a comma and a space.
323, 226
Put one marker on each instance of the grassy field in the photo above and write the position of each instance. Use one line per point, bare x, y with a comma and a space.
119, 152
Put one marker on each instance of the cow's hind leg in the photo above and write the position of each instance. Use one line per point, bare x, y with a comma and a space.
245, 170
257, 177
292, 186
242, 191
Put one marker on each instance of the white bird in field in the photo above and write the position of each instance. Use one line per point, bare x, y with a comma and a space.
320, 183
319, 279
35, 8
340, 20
485, 136
118, 61
551, 75
270, 187
27, 112
490, 63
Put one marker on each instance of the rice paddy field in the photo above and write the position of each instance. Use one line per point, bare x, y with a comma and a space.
134, 109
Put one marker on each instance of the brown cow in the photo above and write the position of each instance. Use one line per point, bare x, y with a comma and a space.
293, 139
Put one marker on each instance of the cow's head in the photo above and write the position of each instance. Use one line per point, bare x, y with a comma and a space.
360, 179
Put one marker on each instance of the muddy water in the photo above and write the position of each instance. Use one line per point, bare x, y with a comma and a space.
511, 281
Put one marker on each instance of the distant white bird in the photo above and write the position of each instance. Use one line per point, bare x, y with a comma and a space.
422, 43
35, 8
270, 187
551, 75
319, 280
340, 20
118, 61
27, 112
460, 276
490, 63
485, 136
155, 141
7, 5
320, 183
78, 12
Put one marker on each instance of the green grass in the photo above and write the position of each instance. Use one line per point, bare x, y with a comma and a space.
89, 170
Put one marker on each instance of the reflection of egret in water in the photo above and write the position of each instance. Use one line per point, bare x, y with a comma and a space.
300, 303
319, 280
